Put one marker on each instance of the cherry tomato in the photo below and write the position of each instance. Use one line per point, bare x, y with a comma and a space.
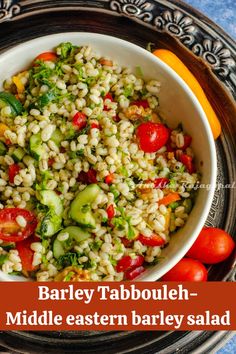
188, 163
153, 240
187, 270
79, 120
46, 56
212, 246
126, 242
8, 141
161, 183
108, 96
109, 178
110, 211
26, 254
140, 103
10, 230
95, 126
187, 142
13, 171
151, 136
133, 273
127, 262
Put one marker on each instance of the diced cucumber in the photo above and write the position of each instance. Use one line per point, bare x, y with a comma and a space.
8, 99
57, 137
80, 209
36, 148
49, 225
18, 154
52, 200
76, 235
3, 149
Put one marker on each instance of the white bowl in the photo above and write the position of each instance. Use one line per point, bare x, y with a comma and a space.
177, 105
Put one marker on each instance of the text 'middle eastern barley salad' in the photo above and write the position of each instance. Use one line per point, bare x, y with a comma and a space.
93, 182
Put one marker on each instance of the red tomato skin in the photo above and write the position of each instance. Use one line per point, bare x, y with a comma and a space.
95, 126
8, 216
26, 254
87, 177
127, 262
187, 142
140, 103
109, 178
110, 211
153, 240
212, 246
152, 136
51, 162
187, 161
133, 273
108, 96
161, 183
187, 270
13, 171
79, 120
47, 56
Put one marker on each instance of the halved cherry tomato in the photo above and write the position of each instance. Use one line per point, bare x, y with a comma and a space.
187, 270
153, 240
161, 183
110, 211
26, 254
108, 96
212, 246
109, 178
46, 56
187, 142
140, 103
79, 120
133, 273
10, 230
95, 126
13, 171
151, 136
127, 262
188, 163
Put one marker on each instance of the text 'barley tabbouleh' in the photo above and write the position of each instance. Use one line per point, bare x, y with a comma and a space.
93, 183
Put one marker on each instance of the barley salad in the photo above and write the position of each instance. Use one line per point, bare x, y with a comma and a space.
93, 182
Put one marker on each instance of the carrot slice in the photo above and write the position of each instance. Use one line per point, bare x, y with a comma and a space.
169, 198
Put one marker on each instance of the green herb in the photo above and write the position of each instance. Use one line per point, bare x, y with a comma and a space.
115, 192
122, 170
15, 273
45, 99
8, 247
67, 50
69, 259
113, 261
172, 184
3, 258
174, 205
89, 264
128, 91
69, 276
96, 245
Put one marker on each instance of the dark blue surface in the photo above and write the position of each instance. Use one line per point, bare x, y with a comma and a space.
223, 13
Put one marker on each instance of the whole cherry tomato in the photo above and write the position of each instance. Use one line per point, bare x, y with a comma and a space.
10, 230
187, 270
212, 246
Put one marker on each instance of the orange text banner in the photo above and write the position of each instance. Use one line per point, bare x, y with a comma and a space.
118, 306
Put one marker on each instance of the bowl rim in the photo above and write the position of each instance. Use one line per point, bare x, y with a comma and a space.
201, 115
